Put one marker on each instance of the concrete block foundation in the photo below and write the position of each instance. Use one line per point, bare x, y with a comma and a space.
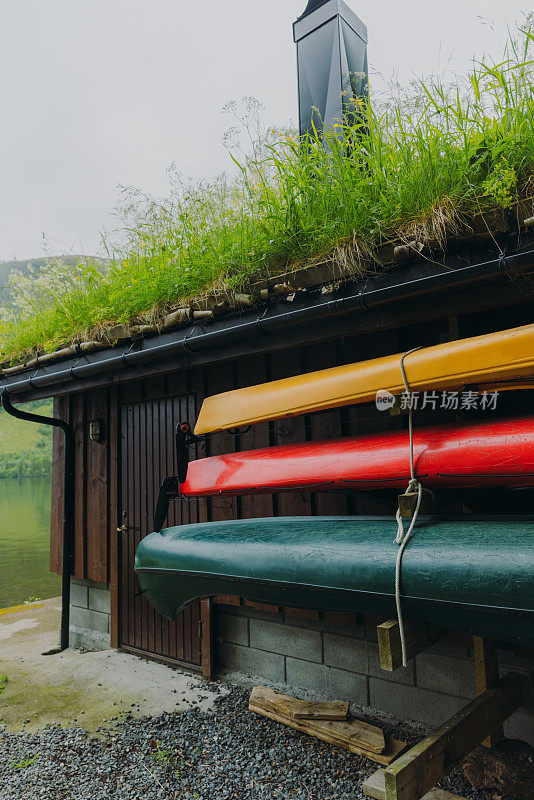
336, 656
90, 613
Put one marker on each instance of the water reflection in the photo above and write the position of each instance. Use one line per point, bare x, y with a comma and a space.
25, 541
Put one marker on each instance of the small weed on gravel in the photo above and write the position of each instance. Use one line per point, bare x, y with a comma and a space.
161, 754
25, 762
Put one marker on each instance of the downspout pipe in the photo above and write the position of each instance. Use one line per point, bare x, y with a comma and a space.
68, 504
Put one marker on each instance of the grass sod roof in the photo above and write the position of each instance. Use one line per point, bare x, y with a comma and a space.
325, 278
436, 168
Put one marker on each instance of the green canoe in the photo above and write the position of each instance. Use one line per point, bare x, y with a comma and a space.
471, 574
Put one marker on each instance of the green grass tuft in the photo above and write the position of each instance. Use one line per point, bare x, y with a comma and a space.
419, 165
27, 761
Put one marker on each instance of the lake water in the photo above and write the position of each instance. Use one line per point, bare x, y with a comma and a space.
25, 541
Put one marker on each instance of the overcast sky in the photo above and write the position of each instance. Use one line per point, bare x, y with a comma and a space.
97, 93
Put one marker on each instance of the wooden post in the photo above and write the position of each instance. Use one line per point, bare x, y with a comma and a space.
207, 638
418, 771
487, 675
418, 637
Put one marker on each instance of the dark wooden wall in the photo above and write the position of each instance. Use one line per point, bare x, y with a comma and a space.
98, 482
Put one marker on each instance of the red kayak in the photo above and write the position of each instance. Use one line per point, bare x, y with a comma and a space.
482, 454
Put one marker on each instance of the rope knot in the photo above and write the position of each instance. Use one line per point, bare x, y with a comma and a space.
413, 486
402, 538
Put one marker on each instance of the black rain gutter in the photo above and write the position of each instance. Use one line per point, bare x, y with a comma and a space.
68, 504
375, 292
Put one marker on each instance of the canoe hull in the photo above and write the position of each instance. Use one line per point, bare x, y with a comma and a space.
475, 576
504, 626
506, 358
483, 454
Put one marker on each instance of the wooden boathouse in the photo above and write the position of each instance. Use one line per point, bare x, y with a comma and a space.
124, 398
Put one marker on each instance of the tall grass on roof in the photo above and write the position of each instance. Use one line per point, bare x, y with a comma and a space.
413, 167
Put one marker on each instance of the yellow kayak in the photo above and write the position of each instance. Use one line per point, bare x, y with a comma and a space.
505, 358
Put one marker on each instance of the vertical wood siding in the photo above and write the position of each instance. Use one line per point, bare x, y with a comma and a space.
147, 456
95, 516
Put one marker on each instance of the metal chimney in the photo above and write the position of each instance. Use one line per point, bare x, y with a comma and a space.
332, 63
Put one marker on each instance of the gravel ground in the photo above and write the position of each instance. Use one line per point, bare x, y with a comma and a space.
230, 754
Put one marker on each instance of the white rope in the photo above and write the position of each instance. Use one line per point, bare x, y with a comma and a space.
403, 537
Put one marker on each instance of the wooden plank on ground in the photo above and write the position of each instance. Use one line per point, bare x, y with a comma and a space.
394, 747
353, 730
428, 762
486, 675
375, 786
298, 709
356, 739
418, 637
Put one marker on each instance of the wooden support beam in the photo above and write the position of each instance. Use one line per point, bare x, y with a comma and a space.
207, 638
487, 675
375, 787
418, 637
412, 775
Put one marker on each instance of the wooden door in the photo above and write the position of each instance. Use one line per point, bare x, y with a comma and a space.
147, 456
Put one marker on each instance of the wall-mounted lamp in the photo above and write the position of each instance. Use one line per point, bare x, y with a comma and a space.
96, 430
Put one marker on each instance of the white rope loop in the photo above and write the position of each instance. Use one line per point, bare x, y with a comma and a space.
403, 537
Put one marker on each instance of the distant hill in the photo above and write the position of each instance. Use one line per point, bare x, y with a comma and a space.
25, 448
6, 268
